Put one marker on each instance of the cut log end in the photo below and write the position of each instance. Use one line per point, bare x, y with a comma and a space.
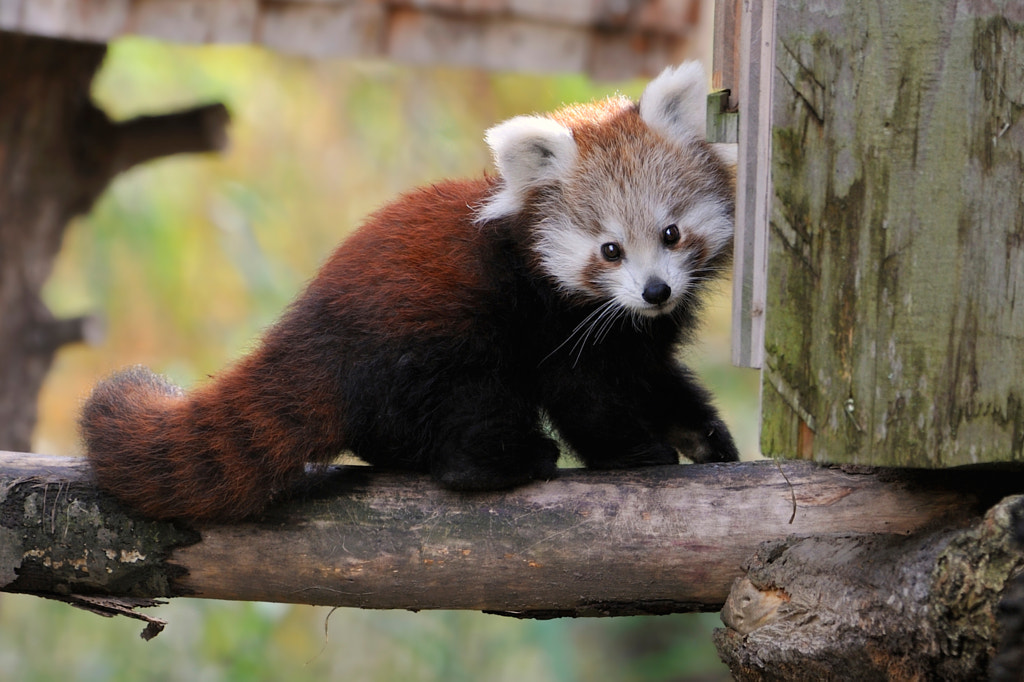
923, 606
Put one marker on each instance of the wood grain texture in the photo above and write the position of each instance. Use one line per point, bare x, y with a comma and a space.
895, 326
727, 50
753, 181
658, 540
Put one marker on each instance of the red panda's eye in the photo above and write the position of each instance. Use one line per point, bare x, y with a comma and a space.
670, 235
611, 251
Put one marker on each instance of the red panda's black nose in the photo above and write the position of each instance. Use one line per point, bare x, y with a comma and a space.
656, 291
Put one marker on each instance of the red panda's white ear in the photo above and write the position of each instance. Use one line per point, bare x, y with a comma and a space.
727, 153
675, 102
529, 152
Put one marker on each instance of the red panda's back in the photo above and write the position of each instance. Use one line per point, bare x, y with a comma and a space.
419, 265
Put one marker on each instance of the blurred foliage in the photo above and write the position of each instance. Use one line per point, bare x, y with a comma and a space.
209, 641
188, 258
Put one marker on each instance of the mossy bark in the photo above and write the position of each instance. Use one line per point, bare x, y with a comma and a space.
895, 314
59, 535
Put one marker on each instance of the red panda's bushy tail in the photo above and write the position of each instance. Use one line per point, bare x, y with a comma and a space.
195, 456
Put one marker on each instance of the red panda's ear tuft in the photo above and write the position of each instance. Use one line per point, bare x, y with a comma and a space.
675, 102
728, 155
529, 152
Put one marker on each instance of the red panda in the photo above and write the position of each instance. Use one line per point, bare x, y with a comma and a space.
435, 337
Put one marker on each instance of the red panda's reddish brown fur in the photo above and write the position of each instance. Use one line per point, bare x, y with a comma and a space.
226, 448
433, 337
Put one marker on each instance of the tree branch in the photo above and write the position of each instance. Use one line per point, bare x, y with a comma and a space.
141, 139
589, 543
49, 335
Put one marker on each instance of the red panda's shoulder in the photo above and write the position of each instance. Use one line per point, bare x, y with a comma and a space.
420, 261
423, 228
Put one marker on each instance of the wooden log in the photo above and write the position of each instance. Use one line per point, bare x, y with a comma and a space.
658, 540
879, 607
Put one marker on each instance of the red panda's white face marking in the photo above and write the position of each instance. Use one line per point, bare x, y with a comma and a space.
636, 209
646, 257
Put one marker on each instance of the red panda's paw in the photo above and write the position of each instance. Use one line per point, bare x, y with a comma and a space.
500, 466
625, 457
655, 454
711, 443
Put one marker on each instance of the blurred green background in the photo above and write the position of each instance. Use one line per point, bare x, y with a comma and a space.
188, 258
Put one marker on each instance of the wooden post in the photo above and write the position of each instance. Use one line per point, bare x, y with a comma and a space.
895, 329
753, 180
726, 50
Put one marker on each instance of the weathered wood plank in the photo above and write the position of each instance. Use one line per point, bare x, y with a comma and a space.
607, 39
753, 181
895, 326
589, 543
727, 49
723, 126
422, 38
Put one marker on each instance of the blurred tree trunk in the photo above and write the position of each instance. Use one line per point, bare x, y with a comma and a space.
58, 152
46, 178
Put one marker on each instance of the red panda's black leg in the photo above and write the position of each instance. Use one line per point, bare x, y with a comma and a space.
694, 425
630, 419
604, 421
611, 442
489, 439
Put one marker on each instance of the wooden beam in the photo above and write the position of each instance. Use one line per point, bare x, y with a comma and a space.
726, 50
659, 540
753, 181
605, 39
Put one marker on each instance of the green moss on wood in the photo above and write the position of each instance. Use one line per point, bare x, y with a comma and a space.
896, 255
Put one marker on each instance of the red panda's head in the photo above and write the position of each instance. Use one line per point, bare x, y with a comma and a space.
635, 208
